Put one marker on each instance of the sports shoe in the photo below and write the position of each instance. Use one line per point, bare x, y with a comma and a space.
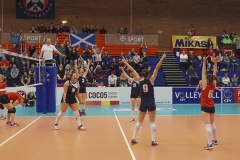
208, 147
133, 142
14, 125
55, 127
82, 128
3, 117
8, 123
84, 114
214, 142
132, 119
154, 143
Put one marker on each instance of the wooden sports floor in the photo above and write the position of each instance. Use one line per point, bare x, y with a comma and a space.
180, 134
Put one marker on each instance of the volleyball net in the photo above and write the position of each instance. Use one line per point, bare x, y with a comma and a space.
42, 88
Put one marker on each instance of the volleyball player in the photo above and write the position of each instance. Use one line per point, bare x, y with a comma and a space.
135, 93
209, 83
146, 84
5, 100
70, 92
83, 83
3, 85
199, 86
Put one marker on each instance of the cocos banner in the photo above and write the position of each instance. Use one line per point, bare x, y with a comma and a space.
102, 93
187, 96
193, 42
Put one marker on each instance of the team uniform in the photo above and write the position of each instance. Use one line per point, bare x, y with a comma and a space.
147, 96
71, 93
2, 86
135, 90
207, 103
83, 83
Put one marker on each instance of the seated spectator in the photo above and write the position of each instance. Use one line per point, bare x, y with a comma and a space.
136, 60
102, 30
58, 30
86, 52
31, 49
112, 80
67, 74
101, 84
129, 56
98, 71
106, 60
122, 80
31, 98
14, 73
23, 69
191, 72
224, 34
73, 30
226, 80
143, 48
141, 66
60, 72
113, 66
4, 62
219, 63
145, 59
33, 29
235, 65
31, 73
132, 52
12, 62
192, 59
51, 29
91, 81
139, 31
183, 60
226, 62
41, 28
234, 81
25, 79
5, 72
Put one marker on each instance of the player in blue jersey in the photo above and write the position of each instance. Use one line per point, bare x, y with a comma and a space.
135, 93
82, 78
71, 88
146, 84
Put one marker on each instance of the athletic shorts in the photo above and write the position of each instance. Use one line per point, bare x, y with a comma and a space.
4, 99
134, 96
149, 107
70, 100
210, 110
1, 106
82, 91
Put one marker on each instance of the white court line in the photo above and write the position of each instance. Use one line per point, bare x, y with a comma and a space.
19, 131
129, 148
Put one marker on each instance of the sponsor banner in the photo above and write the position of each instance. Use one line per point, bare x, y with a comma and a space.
102, 94
163, 95
227, 95
35, 9
199, 42
236, 95
131, 39
30, 37
226, 40
187, 96
82, 39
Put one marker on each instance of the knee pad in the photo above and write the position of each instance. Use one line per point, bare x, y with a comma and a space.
208, 127
1, 106
153, 126
13, 110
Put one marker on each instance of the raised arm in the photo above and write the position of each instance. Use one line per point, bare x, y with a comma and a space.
155, 72
204, 79
125, 74
88, 66
215, 60
131, 69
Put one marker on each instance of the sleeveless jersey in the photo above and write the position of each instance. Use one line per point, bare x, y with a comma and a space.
82, 81
146, 92
135, 88
207, 96
12, 96
3, 85
72, 89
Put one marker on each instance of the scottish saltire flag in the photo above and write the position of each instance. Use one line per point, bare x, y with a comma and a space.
82, 39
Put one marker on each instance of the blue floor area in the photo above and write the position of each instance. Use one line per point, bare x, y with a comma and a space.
164, 110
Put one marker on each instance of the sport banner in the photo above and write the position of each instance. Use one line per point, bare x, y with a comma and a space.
30, 37
236, 95
226, 40
131, 39
35, 9
199, 42
187, 96
227, 95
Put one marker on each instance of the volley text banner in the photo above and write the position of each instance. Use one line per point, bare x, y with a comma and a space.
131, 39
36, 38
199, 42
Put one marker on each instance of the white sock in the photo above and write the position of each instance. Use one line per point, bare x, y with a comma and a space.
3, 113
59, 116
209, 133
153, 130
132, 112
213, 127
83, 105
76, 115
136, 129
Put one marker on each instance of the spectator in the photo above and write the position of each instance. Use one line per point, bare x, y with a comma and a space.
191, 72
183, 60
234, 81
226, 62
98, 71
25, 80
114, 66
139, 31
106, 60
82, 63
192, 59
84, 30
122, 80
226, 80
33, 29
51, 29
41, 28
1, 53
31, 99
73, 30
219, 63
68, 72
60, 72
95, 50
15, 37
143, 48
36, 56
4, 62
25, 61
65, 29
238, 46
31, 73
12, 62
14, 75
194, 32
98, 59
210, 43
232, 35
5, 72
189, 33
102, 30
120, 31
62, 49
129, 56
101, 84
112, 80
136, 60
58, 30
91, 81
73, 56
86, 52
31, 49
145, 59
235, 65
92, 30
224, 34
23, 69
